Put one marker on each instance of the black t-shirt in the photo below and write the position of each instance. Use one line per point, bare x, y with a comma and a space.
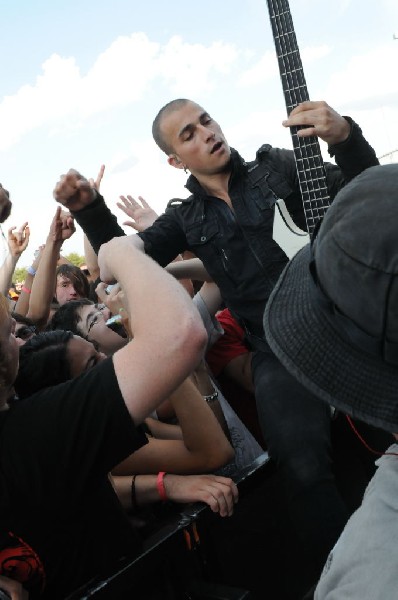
56, 450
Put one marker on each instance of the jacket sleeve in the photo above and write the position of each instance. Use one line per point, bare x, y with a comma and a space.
98, 223
165, 239
352, 156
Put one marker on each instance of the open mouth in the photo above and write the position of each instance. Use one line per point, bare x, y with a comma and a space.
216, 147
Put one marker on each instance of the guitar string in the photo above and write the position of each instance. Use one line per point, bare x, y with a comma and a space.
291, 86
286, 68
295, 92
297, 89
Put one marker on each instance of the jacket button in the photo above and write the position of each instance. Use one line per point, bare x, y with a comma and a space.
203, 238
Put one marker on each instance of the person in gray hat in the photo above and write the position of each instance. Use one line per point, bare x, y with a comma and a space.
332, 320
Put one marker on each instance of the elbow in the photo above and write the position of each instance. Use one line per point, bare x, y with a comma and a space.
193, 342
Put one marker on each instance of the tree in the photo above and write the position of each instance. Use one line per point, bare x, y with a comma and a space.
76, 259
19, 275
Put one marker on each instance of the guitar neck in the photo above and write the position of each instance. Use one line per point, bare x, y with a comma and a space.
307, 152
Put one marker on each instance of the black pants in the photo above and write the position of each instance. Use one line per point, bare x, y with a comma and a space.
296, 428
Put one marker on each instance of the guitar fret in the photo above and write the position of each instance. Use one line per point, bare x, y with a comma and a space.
309, 163
289, 53
287, 73
282, 36
297, 87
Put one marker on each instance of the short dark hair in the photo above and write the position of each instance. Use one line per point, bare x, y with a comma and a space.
77, 277
67, 316
43, 362
156, 125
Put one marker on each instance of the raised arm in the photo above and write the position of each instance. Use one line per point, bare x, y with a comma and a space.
88, 208
352, 152
43, 287
22, 305
18, 240
169, 337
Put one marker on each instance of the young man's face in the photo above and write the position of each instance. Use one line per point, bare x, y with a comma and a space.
197, 140
65, 290
92, 325
82, 356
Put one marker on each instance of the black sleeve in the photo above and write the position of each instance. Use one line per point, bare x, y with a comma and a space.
165, 239
98, 223
355, 154
352, 156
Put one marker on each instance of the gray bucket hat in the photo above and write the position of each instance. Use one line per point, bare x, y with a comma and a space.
332, 318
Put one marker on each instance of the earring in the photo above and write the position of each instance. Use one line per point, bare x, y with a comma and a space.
185, 170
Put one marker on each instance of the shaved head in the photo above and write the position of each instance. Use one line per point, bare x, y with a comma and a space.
157, 123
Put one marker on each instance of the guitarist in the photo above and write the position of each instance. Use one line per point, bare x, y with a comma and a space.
228, 222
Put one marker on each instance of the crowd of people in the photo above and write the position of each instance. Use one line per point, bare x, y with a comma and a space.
185, 351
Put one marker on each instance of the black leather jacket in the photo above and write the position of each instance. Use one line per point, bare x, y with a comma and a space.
236, 247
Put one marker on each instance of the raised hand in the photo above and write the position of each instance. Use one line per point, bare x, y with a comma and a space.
74, 191
97, 183
113, 299
62, 226
319, 119
18, 239
142, 214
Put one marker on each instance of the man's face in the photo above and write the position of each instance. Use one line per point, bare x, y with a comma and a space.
5, 204
92, 326
65, 291
197, 140
82, 356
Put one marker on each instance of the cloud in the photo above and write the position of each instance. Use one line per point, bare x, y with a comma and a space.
366, 77
267, 67
121, 75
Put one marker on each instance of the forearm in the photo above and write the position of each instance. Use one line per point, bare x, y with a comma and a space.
211, 296
91, 259
164, 431
98, 223
192, 269
6, 271
175, 342
186, 282
43, 286
134, 494
22, 305
220, 493
201, 431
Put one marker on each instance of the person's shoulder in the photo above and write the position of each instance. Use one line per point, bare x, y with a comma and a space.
178, 203
99, 381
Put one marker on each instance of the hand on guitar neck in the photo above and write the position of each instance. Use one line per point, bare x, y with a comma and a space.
318, 118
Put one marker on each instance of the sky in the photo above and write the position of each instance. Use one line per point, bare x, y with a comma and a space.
81, 83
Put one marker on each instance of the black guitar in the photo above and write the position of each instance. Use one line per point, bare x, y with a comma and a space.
307, 153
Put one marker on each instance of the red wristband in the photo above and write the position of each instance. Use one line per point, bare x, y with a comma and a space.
160, 486
25, 289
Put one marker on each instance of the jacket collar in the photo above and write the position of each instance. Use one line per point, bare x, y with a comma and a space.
237, 165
